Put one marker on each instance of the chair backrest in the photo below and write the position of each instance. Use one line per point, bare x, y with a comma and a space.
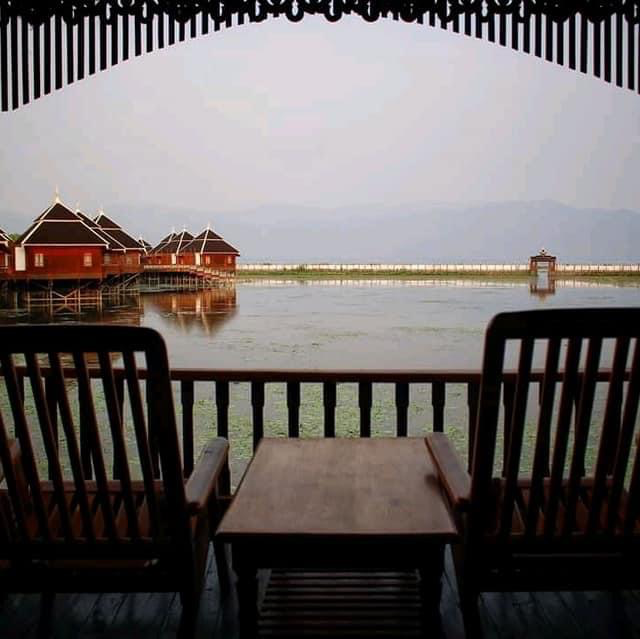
94, 482
571, 472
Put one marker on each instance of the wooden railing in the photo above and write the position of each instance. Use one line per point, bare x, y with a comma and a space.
185, 381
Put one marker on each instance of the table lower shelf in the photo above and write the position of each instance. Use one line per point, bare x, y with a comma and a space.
341, 604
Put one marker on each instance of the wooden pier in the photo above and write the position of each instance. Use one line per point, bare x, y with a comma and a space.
184, 277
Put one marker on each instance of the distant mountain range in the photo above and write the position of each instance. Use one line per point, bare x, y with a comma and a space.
425, 232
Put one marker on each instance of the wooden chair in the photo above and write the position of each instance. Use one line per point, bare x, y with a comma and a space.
562, 511
71, 521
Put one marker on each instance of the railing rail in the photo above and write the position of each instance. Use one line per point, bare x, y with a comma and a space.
185, 380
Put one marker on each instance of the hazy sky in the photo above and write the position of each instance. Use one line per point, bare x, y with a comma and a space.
325, 114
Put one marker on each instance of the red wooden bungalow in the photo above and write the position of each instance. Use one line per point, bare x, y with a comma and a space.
168, 252
59, 245
124, 253
209, 249
6, 254
146, 246
157, 254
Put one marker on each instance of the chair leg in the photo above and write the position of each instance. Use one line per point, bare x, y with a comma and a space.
45, 622
222, 565
469, 595
189, 618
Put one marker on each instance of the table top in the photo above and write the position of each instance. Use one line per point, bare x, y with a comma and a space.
340, 488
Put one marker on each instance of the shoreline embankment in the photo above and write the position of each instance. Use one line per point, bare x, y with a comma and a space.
515, 271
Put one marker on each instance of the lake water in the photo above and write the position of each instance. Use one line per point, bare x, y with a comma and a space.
397, 324
338, 323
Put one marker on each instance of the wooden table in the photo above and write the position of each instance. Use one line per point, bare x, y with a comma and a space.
338, 504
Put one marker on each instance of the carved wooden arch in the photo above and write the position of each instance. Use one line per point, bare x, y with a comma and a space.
45, 45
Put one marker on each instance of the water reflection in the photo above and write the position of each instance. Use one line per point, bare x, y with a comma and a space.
543, 285
125, 310
205, 311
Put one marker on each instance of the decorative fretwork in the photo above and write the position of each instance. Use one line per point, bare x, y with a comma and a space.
44, 45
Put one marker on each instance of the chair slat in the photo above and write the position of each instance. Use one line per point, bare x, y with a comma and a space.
609, 433
117, 436
57, 380
625, 439
90, 423
516, 429
569, 384
144, 450
585, 408
50, 443
24, 437
543, 436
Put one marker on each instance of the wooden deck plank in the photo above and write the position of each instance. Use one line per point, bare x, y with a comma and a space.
520, 616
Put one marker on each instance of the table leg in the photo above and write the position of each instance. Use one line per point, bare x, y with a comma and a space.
247, 587
431, 590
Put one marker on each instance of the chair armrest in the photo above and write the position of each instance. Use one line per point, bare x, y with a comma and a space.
453, 475
201, 484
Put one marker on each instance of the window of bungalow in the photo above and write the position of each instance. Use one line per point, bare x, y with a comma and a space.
88, 259
38, 260
207, 260
107, 258
229, 259
128, 259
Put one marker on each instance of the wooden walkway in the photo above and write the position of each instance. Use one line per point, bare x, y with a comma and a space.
505, 616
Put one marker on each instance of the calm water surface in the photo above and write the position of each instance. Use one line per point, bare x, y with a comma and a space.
337, 324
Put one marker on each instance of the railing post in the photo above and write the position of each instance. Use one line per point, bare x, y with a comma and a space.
293, 408
119, 385
402, 409
257, 405
186, 397
52, 407
222, 407
365, 400
437, 401
329, 400
508, 396
473, 392
153, 438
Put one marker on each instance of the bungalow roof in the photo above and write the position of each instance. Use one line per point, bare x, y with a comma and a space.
177, 243
60, 226
209, 242
161, 244
116, 233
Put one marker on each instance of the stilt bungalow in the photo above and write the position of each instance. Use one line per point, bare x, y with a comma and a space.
59, 245
124, 253
211, 250
157, 255
169, 253
6, 253
145, 245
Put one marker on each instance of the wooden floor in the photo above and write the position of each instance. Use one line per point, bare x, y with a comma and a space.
393, 613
